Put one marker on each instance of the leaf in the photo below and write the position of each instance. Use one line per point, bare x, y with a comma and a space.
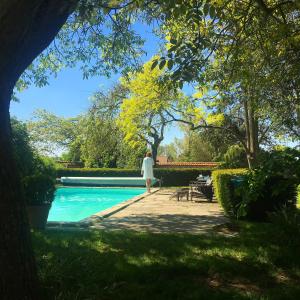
173, 48
170, 64
206, 9
154, 64
212, 12
173, 41
162, 64
176, 74
106, 10
187, 76
180, 84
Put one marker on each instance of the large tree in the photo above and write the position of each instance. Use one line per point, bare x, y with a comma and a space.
254, 45
27, 28
50, 133
150, 106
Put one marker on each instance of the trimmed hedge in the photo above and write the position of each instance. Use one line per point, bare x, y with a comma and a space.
239, 197
274, 193
224, 190
170, 177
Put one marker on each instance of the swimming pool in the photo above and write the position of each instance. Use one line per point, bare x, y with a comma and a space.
75, 203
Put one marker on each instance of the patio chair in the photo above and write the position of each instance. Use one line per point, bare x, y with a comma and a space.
201, 188
181, 193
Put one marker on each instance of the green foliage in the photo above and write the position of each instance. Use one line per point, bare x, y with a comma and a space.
195, 148
39, 184
298, 196
130, 157
23, 152
201, 145
170, 177
271, 185
246, 55
98, 37
223, 183
235, 157
179, 177
102, 142
287, 222
37, 173
261, 191
93, 138
257, 263
172, 150
148, 109
39, 189
46, 166
49, 132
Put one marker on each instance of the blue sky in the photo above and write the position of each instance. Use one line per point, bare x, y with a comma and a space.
68, 94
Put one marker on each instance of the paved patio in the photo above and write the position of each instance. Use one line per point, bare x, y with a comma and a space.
158, 213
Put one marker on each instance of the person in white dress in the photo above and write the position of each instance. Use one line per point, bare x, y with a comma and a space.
147, 170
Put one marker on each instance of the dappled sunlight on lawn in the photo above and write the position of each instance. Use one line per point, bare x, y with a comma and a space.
129, 265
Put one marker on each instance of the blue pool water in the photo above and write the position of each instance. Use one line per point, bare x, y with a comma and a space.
76, 203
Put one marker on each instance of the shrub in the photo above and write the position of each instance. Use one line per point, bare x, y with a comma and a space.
224, 183
170, 177
235, 157
271, 185
45, 165
37, 173
286, 222
22, 151
270, 194
39, 189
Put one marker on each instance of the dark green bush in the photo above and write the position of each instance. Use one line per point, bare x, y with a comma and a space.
170, 177
39, 189
37, 173
272, 194
224, 183
271, 185
286, 222
235, 157
22, 151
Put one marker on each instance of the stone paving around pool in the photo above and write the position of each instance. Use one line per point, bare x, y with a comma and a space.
159, 213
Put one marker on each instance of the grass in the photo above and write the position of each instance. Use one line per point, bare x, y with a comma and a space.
259, 262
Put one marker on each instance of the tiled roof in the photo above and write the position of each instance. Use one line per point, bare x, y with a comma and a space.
189, 164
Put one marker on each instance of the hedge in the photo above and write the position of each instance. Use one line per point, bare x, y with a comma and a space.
170, 177
223, 189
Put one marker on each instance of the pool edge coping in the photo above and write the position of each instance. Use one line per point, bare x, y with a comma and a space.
96, 217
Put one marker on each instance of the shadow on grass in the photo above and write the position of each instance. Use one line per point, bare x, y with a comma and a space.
129, 265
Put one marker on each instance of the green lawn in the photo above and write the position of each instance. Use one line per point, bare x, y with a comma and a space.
259, 262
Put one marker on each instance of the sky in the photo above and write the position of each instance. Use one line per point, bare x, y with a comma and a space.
68, 94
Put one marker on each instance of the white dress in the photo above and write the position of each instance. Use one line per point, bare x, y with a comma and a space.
147, 168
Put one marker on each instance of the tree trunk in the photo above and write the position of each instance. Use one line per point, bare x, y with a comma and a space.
253, 135
18, 271
26, 29
251, 125
154, 147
